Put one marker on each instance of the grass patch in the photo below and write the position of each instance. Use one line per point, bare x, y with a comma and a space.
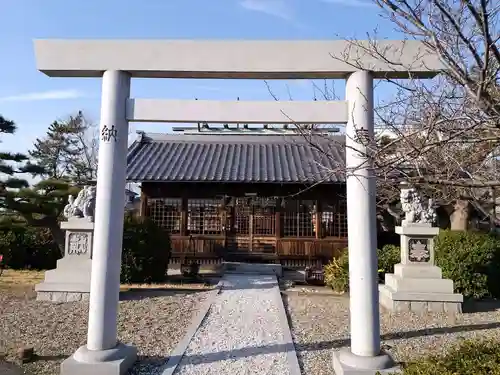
478, 357
159, 286
20, 277
20, 283
26, 279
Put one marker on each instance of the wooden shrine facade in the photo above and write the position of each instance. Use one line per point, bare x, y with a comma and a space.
212, 214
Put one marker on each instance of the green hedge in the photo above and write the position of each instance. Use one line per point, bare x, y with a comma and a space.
469, 357
388, 256
25, 247
470, 259
146, 252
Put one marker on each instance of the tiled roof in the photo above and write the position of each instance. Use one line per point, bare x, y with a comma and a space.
236, 158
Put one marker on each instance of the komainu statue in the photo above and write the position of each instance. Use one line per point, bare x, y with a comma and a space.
416, 210
83, 206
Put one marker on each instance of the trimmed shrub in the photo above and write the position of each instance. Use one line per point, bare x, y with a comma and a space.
337, 271
146, 251
471, 260
28, 247
388, 256
14, 254
43, 251
480, 357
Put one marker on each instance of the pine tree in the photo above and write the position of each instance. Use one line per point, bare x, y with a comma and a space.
60, 161
66, 152
12, 166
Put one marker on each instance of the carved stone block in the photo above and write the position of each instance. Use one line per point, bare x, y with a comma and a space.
419, 250
70, 280
79, 243
417, 244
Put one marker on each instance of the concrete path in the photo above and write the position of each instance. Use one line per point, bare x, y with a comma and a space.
245, 331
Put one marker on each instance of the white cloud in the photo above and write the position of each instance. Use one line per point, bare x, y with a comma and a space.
276, 8
44, 95
351, 3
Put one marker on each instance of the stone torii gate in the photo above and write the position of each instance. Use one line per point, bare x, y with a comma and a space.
117, 61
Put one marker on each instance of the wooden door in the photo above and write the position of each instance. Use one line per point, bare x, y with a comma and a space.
264, 226
253, 226
239, 233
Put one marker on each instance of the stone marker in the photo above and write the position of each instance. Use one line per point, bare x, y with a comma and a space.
417, 284
70, 280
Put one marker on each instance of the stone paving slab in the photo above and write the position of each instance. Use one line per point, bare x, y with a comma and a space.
245, 331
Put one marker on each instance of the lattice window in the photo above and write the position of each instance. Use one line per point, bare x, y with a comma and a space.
334, 219
204, 216
299, 218
264, 216
166, 213
242, 211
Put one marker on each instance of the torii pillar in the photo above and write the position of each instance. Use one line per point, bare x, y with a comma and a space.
365, 356
103, 354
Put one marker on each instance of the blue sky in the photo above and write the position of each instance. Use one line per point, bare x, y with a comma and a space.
33, 100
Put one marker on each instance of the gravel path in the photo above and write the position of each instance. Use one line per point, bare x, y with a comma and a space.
242, 333
154, 322
320, 324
